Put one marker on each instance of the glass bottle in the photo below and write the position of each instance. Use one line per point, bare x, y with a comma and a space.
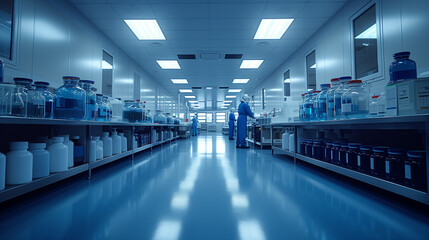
341, 89
402, 68
49, 98
373, 111
327, 150
70, 102
108, 107
330, 95
363, 158
138, 111
149, 117
127, 113
36, 104
90, 99
354, 102
415, 170
377, 161
301, 107
101, 109
352, 155
335, 150
321, 100
6, 92
395, 162
170, 120
342, 154
158, 117
20, 97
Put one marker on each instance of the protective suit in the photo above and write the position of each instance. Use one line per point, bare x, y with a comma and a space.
231, 123
243, 112
194, 126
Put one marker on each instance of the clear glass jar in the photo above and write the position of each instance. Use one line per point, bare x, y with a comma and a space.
108, 106
415, 170
70, 102
377, 161
342, 154
117, 109
341, 89
6, 92
90, 99
318, 150
127, 114
301, 107
308, 107
354, 102
20, 97
321, 100
138, 111
335, 150
373, 107
352, 155
330, 95
101, 108
49, 98
159, 117
402, 68
327, 150
395, 165
149, 117
363, 158
36, 104
170, 120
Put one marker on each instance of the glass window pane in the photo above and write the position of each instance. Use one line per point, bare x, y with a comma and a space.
209, 117
365, 43
6, 26
286, 84
311, 70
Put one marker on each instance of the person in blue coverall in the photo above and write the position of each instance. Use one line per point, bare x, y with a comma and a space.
243, 112
194, 125
231, 123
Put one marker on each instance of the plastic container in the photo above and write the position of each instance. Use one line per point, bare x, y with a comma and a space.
402, 68
92, 156
70, 152
292, 142
330, 96
327, 151
78, 151
301, 107
377, 162
415, 170
36, 104
124, 144
335, 152
90, 113
117, 109
342, 154
41, 158
352, 155
99, 149
107, 145
317, 151
2, 171
302, 146
59, 155
395, 162
285, 141
322, 100
70, 102
355, 101
19, 164
373, 107
309, 148
49, 98
341, 89
117, 143
363, 158
6, 93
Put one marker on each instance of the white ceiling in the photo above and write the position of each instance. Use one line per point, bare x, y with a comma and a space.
207, 26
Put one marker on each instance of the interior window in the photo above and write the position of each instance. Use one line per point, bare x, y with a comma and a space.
286, 84
311, 70
6, 28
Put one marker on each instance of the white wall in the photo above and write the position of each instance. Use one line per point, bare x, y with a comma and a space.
54, 39
404, 28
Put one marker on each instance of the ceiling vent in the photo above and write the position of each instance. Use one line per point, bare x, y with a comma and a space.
197, 88
223, 88
210, 56
186, 56
233, 56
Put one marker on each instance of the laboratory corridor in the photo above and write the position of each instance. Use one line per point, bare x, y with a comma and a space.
205, 188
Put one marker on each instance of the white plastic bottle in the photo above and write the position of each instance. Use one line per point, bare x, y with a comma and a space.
41, 159
107, 144
285, 141
99, 150
70, 146
292, 142
93, 151
59, 155
134, 142
117, 142
19, 164
124, 143
2, 171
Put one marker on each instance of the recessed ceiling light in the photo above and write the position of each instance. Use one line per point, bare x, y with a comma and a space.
251, 64
240, 80
179, 81
209, 88
106, 65
185, 90
190, 97
224, 108
230, 96
193, 101
272, 28
168, 64
287, 80
227, 101
146, 29
234, 90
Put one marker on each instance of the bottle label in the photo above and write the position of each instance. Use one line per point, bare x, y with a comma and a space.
339, 156
332, 155
358, 160
387, 167
407, 171
372, 163
347, 158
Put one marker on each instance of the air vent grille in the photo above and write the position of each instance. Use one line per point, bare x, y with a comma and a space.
233, 56
186, 56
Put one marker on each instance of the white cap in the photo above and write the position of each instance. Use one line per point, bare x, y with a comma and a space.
66, 137
121, 134
96, 137
58, 139
37, 145
105, 134
19, 145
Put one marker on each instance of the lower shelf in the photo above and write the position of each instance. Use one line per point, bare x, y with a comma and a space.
414, 194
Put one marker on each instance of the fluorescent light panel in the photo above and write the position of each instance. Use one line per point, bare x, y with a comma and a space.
370, 33
146, 29
227, 101
240, 80
185, 90
190, 97
180, 81
193, 101
106, 65
230, 96
168, 64
272, 28
234, 90
251, 64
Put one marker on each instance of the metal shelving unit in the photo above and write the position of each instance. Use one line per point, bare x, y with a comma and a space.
417, 122
261, 133
13, 191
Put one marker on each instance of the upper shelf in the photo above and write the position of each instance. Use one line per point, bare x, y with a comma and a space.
42, 121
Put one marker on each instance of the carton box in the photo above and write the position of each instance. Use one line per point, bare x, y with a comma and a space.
413, 96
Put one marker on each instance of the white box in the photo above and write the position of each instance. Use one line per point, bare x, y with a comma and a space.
413, 96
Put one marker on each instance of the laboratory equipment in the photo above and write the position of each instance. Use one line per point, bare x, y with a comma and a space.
149, 117
107, 145
363, 158
124, 143
301, 107
373, 107
49, 98
354, 102
35, 104
2, 171
41, 158
292, 142
285, 141
321, 102
414, 170
92, 156
377, 161
341, 89
128, 113
70, 152
309, 107
352, 155
395, 165
70, 101
19, 164
101, 108
412, 97
117, 109
6, 93
309, 148
402, 68
108, 108
90, 113
78, 151
117, 143
330, 96
138, 111
59, 155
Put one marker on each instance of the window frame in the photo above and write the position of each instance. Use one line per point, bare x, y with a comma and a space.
211, 114
380, 50
16, 29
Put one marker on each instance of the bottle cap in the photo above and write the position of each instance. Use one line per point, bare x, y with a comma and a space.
37, 145
335, 79
19, 145
121, 134
354, 145
75, 138
316, 92
57, 139
366, 147
401, 54
345, 79
105, 134
22, 80
303, 94
87, 81
396, 151
70, 78
66, 137
376, 96
96, 137
41, 84
354, 81
416, 154
380, 149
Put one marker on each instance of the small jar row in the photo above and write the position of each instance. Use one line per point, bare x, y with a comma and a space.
393, 164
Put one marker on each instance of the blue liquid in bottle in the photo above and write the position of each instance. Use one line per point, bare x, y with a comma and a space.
70, 102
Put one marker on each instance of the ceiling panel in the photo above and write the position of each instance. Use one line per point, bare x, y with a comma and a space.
134, 11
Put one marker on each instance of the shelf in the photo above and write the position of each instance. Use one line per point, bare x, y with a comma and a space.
377, 182
110, 159
17, 190
289, 153
250, 140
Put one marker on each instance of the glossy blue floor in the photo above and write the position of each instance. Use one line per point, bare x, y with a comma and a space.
205, 188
